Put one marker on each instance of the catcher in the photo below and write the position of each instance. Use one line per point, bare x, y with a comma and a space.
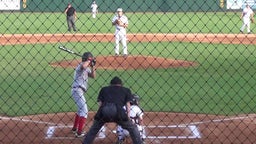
136, 115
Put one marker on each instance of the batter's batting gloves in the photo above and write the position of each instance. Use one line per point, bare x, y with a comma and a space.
93, 62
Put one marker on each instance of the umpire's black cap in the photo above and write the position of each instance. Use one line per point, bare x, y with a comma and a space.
116, 80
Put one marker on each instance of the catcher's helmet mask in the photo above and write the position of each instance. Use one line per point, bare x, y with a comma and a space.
87, 56
135, 100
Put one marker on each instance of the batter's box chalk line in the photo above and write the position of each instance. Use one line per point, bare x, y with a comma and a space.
192, 128
51, 130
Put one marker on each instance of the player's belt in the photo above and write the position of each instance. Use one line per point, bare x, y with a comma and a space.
119, 29
80, 88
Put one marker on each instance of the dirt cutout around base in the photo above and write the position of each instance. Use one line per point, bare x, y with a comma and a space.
129, 63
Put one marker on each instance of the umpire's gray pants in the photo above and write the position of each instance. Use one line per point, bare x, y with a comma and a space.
71, 23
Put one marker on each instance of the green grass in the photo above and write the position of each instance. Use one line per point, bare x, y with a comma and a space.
222, 83
138, 22
222, 80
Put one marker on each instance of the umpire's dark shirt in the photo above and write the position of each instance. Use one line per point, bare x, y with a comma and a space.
71, 11
115, 94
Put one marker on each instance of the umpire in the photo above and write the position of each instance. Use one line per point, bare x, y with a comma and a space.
111, 101
71, 17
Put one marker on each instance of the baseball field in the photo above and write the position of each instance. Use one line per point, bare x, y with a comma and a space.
194, 72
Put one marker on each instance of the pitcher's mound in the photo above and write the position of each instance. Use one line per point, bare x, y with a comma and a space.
130, 62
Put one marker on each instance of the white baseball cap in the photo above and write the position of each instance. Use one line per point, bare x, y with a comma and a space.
119, 10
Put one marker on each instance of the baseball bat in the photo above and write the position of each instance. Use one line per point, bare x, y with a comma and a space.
69, 51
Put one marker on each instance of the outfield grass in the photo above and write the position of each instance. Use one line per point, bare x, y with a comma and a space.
222, 83
190, 22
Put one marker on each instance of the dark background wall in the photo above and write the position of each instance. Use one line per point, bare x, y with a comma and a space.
127, 5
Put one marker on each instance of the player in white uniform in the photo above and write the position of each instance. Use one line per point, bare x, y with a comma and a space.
136, 115
83, 71
120, 21
94, 8
247, 16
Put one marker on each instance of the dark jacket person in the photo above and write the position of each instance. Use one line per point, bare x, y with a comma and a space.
71, 17
111, 100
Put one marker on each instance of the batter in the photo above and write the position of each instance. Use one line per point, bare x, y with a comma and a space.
83, 71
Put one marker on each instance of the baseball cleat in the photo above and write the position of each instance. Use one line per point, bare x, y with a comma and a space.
80, 135
101, 135
125, 55
73, 130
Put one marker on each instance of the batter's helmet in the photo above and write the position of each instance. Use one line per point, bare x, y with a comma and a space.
135, 99
86, 56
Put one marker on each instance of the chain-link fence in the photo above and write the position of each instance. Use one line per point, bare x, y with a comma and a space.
192, 64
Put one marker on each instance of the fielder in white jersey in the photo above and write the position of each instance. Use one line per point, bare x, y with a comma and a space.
83, 71
136, 115
94, 8
247, 16
120, 21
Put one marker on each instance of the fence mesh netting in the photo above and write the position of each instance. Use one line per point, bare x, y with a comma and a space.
191, 63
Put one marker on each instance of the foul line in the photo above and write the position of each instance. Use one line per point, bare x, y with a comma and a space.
219, 120
30, 121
